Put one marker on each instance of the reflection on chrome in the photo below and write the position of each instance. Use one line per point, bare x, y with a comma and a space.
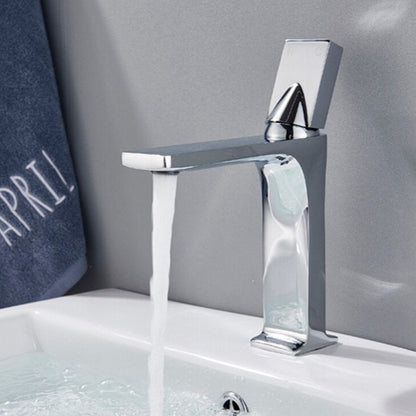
286, 245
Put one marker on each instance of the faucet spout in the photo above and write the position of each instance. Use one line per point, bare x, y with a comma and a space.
204, 155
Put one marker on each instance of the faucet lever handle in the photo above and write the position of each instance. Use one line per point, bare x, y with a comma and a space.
313, 64
286, 109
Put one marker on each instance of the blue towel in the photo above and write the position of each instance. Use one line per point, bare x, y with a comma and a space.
42, 247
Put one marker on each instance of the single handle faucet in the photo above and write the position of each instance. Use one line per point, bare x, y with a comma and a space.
293, 184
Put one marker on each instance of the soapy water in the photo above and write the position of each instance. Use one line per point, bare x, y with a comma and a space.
38, 384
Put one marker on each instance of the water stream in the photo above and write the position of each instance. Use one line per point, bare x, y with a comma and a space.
163, 210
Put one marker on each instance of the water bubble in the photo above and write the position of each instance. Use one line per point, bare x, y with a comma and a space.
106, 382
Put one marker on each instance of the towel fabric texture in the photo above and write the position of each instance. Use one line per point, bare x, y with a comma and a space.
42, 247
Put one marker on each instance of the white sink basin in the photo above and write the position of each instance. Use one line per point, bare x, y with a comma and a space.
208, 353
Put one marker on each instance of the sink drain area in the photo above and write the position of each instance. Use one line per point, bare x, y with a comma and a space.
233, 403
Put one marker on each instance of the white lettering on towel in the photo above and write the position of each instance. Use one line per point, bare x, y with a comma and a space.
12, 205
12, 221
58, 172
9, 228
35, 170
36, 203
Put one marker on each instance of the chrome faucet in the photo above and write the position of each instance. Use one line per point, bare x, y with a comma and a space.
293, 177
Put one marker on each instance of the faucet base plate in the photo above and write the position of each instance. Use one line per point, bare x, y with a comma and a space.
292, 345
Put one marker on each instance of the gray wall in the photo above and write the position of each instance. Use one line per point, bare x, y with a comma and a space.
144, 73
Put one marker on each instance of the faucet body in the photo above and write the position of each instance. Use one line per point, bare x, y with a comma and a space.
294, 248
293, 228
293, 190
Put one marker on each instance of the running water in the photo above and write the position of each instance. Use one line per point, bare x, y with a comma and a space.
163, 209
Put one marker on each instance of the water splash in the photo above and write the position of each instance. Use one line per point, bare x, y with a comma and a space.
163, 210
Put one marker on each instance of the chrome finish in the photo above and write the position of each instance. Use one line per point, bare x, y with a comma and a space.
293, 183
204, 155
286, 109
233, 403
294, 252
282, 131
281, 120
313, 64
